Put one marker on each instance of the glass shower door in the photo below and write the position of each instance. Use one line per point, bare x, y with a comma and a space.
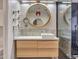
64, 27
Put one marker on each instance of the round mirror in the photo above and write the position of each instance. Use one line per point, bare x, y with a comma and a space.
37, 21
38, 15
67, 15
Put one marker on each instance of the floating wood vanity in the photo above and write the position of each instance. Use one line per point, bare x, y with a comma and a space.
37, 48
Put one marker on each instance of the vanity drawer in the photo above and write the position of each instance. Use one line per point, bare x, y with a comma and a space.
48, 52
26, 53
37, 48
37, 52
48, 44
26, 44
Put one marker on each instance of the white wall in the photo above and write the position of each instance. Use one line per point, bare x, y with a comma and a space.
1, 17
1, 37
1, 24
9, 6
1, 12
1, 4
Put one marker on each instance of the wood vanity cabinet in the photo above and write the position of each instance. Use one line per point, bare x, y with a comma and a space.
37, 48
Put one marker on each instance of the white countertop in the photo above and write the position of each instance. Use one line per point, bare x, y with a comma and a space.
35, 38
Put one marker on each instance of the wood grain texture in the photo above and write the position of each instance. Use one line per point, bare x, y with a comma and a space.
37, 48
26, 44
26, 53
48, 44
48, 52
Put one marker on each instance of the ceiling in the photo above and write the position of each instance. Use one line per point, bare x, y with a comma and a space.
31, 1
38, 0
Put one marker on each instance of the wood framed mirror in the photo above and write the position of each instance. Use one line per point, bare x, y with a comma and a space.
38, 15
